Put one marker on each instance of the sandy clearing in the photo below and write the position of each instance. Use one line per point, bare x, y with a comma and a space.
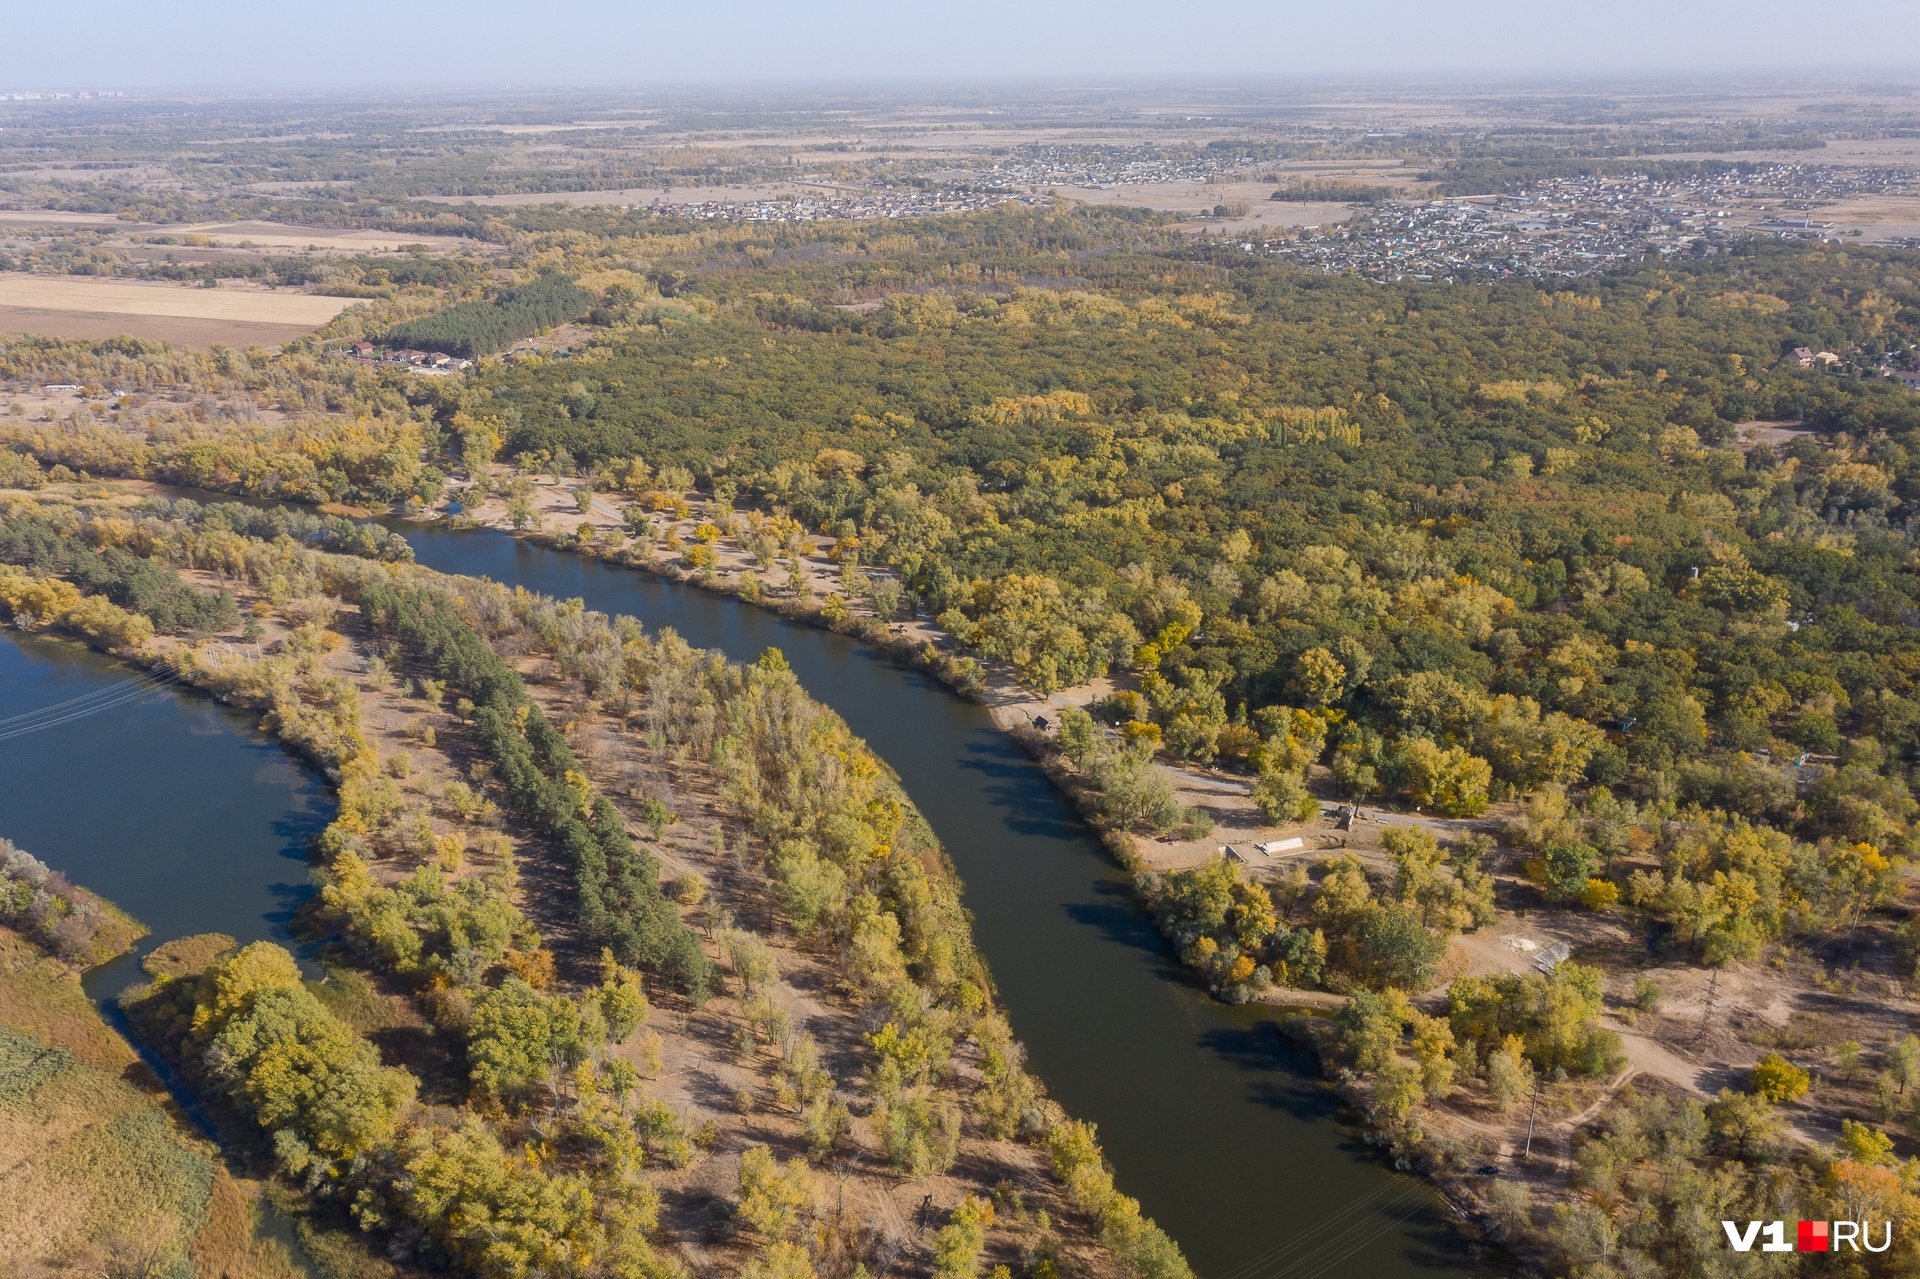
283, 235
55, 217
1772, 434
124, 297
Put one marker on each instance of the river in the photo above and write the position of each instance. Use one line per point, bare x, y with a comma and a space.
180, 811
1212, 1118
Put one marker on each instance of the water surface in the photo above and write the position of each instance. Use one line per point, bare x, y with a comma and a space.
174, 808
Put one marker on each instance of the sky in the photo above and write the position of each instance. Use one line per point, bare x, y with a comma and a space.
273, 44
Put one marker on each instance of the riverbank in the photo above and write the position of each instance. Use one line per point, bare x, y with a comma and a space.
1014, 709
1084, 975
365, 714
101, 1172
1453, 1146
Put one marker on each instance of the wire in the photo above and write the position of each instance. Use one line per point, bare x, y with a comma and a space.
110, 690
110, 698
1317, 1260
1412, 1211
1256, 1265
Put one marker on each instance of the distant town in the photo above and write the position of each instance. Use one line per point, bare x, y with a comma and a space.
1579, 227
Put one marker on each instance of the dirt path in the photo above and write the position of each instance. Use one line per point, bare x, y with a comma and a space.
1647, 1057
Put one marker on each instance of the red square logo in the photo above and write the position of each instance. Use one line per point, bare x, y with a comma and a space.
1813, 1236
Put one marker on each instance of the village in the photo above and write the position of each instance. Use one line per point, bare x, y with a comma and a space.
1577, 228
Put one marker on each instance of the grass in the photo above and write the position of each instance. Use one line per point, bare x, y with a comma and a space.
186, 956
99, 1176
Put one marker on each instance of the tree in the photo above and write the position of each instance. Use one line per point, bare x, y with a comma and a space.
518, 1036
301, 1072
1433, 1048
1396, 1092
1447, 779
1321, 677
919, 1134
1585, 1233
623, 1005
1903, 1061
1746, 1126
1778, 1080
780, 1261
956, 1248
1864, 1144
1568, 869
496, 1216
775, 1198
1370, 1026
1509, 1074
1398, 950
1284, 797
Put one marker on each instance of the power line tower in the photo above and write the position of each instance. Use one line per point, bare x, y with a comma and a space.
1713, 989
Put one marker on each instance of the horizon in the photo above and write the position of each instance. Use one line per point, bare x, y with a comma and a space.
113, 45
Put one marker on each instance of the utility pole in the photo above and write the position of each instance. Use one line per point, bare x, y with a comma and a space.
1527, 1155
1713, 988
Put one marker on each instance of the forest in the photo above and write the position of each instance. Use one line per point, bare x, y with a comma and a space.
473, 329
1485, 538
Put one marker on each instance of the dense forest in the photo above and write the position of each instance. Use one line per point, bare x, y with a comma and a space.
1488, 538
473, 329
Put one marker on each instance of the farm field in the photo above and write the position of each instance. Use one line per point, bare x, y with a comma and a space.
91, 307
285, 237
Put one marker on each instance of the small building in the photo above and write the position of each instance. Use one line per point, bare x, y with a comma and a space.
364, 350
1825, 359
1273, 848
1550, 958
1040, 722
1804, 355
1910, 380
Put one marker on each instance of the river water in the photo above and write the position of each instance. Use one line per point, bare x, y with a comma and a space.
181, 812
169, 805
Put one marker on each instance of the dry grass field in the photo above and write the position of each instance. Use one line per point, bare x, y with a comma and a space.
95, 1175
93, 307
282, 237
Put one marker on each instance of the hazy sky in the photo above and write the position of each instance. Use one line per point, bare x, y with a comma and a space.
352, 43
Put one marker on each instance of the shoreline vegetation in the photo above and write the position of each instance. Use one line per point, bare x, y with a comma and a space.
106, 1175
837, 856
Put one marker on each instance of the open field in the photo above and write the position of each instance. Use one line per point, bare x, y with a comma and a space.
89, 306
645, 195
1197, 199
56, 217
1881, 217
303, 239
